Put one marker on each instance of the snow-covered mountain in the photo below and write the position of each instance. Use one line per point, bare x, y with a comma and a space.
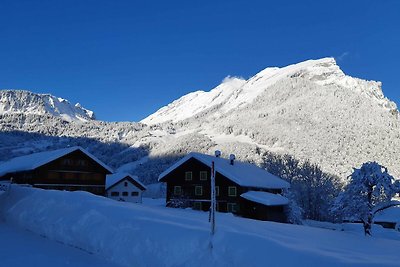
311, 110
234, 93
25, 102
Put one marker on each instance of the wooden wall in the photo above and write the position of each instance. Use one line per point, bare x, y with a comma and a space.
74, 171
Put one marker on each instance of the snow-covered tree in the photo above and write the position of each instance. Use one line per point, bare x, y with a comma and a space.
293, 211
369, 189
313, 190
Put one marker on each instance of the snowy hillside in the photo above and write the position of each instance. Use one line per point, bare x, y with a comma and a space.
20, 101
146, 235
234, 93
196, 102
310, 110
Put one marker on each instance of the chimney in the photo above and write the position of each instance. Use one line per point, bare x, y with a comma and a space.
232, 158
217, 153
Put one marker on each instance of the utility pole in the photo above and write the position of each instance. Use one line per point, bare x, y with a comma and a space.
213, 200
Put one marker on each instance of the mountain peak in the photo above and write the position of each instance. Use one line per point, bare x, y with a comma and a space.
234, 93
23, 101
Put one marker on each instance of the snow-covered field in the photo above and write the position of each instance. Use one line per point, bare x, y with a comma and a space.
22, 248
151, 235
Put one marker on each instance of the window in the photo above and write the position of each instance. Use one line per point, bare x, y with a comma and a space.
81, 162
198, 190
203, 175
135, 194
232, 207
217, 190
197, 206
232, 191
67, 162
125, 184
115, 194
125, 194
188, 176
177, 190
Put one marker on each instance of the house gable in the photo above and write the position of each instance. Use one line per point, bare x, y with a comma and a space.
34, 161
66, 169
129, 180
241, 173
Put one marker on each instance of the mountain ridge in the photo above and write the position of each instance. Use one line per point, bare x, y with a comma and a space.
310, 110
24, 101
323, 71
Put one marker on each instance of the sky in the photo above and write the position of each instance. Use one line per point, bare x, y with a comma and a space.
126, 59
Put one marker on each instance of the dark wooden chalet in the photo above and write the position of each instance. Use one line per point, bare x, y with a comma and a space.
69, 169
241, 188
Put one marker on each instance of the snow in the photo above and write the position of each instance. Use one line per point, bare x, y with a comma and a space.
132, 165
265, 198
20, 248
293, 116
151, 235
233, 93
33, 161
244, 174
21, 101
196, 102
390, 215
114, 178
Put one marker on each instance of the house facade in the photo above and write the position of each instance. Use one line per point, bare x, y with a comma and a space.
124, 187
189, 185
69, 169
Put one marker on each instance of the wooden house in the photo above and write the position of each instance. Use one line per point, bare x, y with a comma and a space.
71, 169
241, 188
124, 187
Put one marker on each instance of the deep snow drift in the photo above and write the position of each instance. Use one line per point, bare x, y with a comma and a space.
141, 235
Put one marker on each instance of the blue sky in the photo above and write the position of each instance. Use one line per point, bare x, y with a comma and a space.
126, 59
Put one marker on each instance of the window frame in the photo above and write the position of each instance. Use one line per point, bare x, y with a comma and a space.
229, 191
114, 194
206, 176
125, 194
201, 190
231, 207
217, 190
175, 190
187, 176
134, 194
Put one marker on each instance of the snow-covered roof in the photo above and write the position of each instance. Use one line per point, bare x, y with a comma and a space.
265, 198
390, 215
115, 178
244, 174
33, 161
